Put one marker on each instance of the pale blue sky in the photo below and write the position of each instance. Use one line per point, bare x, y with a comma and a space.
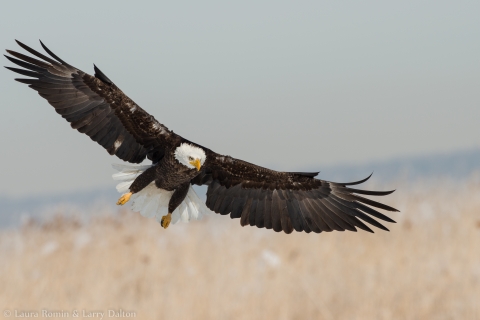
288, 85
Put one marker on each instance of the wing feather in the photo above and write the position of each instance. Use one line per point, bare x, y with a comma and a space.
94, 105
260, 210
317, 214
268, 202
237, 207
287, 201
244, 218
276, 208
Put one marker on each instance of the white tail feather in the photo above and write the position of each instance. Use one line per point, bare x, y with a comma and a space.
153, 202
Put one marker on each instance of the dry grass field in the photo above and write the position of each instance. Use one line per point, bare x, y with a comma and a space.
426, 267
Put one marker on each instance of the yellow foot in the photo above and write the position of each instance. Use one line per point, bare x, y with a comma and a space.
124, 199
166, 220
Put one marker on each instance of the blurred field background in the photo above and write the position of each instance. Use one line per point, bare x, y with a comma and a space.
426, 267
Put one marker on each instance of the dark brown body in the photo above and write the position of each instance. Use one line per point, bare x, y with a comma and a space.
170, 175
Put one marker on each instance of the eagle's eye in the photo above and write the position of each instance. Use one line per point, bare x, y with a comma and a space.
190, 158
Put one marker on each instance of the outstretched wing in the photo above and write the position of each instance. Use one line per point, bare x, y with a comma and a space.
94, 105
286, 200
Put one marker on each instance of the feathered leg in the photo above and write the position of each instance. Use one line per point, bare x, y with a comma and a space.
140, 182
177, 197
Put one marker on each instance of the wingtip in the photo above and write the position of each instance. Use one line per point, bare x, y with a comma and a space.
52, 54
100, 75
368, 178
357, 182
384, 228
20, 43
43, 46
389, 192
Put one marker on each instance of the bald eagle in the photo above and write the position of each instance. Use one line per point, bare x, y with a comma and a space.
282, 201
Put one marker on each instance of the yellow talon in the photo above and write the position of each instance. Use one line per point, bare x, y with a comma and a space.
165, 222
124, 199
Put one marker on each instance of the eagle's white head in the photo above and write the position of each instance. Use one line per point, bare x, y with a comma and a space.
190, 156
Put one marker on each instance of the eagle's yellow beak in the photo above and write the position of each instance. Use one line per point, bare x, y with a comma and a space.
196, 164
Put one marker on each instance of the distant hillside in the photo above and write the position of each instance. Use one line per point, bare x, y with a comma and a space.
14, 210
455, 166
